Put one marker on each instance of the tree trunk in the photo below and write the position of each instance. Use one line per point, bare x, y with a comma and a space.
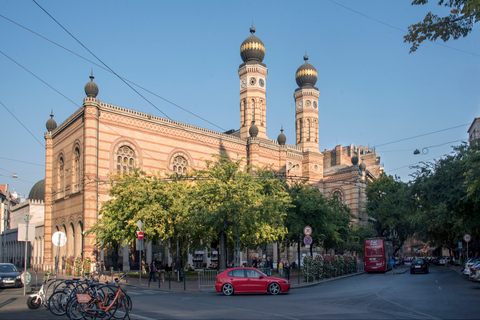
222, 259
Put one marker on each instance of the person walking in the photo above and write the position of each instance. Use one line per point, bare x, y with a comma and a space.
152, 271
280, 268
287, 269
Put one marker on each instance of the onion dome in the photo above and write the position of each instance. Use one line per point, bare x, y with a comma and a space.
282, 139
363, 166
253, 130
306, 74
91, 89
38, 191
354, 160
252, 48
51, 124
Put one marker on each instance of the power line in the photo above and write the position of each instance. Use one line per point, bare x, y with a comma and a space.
422, 135
103, 68
13, 115
401, 30
33, 164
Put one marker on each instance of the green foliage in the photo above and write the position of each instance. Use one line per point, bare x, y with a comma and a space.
446, 191
459, 23
391, 205
319, 268
328, 217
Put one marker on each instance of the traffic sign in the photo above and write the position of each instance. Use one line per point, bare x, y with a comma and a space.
307, 230
59, 239
26, 278
467, 237
140, 235
307, 240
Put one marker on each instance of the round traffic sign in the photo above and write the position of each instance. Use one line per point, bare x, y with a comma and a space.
140, 235
467, 237
59, 239
307, 230
26, 278
308, 240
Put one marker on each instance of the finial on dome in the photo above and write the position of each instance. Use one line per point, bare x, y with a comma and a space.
253, 131
91, 76
305, 57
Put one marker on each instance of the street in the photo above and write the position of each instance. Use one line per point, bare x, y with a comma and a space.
441, 294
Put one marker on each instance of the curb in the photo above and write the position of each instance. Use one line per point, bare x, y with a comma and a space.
311, 284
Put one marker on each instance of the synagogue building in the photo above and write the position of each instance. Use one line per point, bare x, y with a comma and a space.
100, 139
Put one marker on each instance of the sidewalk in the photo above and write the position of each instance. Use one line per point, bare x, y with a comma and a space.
191, 282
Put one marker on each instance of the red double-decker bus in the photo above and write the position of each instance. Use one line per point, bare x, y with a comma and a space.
377, 255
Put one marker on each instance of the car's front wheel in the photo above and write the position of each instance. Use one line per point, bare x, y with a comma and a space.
274, 288
227, 289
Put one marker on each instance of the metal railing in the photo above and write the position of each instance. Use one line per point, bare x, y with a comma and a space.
207, 279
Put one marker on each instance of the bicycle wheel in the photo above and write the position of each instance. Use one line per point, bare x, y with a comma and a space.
74, 309
122, 307
58, 302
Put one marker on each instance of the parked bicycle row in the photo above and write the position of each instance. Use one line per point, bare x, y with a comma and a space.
80, 299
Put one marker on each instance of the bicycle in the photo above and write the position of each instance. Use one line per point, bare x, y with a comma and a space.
59, 299
42, 296
100, 301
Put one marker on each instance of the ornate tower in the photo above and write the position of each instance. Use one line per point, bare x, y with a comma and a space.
306, 105
253, 82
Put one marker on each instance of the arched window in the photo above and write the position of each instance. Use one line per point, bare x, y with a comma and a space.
125, 159
244, 102
308, 129
61, 176
76, 170
338, 194
253, 110
300, 125
179, 165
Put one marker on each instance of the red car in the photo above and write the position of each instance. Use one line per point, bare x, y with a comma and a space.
249, 280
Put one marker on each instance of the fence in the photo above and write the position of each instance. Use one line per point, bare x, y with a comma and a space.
207, 279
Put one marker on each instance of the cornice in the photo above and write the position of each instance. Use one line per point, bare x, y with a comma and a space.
65, 124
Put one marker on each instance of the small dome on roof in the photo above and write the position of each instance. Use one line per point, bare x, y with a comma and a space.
51, 124
363, 166
253, 130
38, 191
91, 88
252, 48
354, 160
282, 139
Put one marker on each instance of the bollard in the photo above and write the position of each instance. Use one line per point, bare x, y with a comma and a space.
169, 278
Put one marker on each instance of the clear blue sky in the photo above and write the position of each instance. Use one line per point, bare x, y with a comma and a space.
372, 91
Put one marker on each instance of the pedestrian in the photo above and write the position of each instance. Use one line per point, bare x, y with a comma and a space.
287, 269
152, 271
255, 262
280, 268
269, 266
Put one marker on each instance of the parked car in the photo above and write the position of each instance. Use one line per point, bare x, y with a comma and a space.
249, 280
418, 266
475, 272
399, 261
9, 276
470, 262
444, 261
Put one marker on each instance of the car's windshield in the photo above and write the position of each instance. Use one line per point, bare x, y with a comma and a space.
417, 262
8, 268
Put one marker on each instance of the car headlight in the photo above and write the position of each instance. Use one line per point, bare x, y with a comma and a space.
285, 282
19, 277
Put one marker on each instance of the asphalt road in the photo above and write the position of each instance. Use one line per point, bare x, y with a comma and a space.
441, 294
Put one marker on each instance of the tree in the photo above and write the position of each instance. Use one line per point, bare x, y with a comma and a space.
231, 203
162, 206
390, 205
446, 211
459, 23
328, 217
